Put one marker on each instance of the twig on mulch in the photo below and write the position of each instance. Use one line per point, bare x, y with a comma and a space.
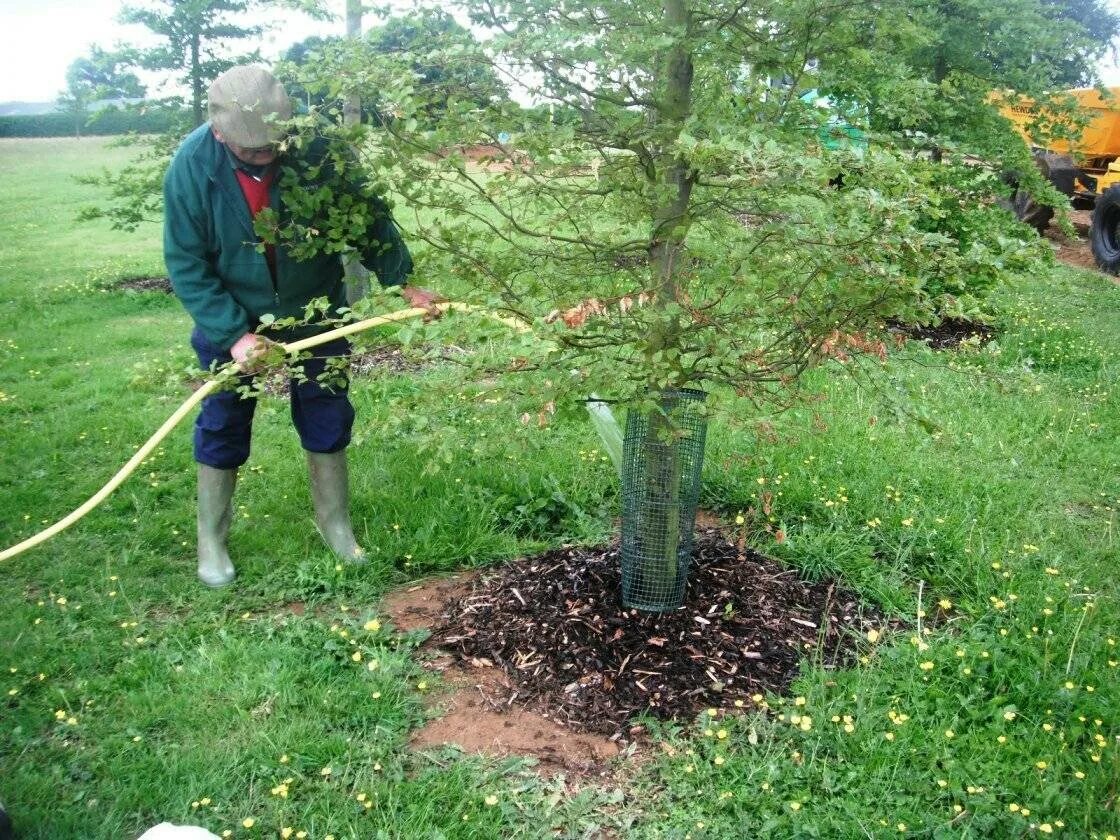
555, 625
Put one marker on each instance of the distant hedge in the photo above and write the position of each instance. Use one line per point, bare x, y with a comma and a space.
107, 121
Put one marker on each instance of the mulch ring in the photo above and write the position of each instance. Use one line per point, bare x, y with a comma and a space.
145, 284
948, 335
555, 626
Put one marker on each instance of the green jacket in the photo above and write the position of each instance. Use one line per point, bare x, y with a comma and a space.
212, 258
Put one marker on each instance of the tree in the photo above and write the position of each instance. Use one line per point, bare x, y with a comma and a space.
429, 40
1095, 26
299, 54
198, 37
424, 42
931, 69
681, 233
92, 78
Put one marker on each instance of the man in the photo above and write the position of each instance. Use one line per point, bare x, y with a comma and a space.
223, 174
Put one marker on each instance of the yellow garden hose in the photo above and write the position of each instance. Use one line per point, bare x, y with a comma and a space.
223, 376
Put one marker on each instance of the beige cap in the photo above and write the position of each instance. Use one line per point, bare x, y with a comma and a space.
243, 103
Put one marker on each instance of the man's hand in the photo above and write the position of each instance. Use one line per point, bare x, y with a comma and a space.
248, 349
422, 299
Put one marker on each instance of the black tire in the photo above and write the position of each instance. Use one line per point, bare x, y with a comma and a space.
1104, 234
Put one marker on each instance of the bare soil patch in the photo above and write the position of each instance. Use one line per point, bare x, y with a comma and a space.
554, 624
479, 712
423, 605
146, 284
489, 157
1074, 251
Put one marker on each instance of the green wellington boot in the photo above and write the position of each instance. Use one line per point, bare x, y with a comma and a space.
330, 492
215, 512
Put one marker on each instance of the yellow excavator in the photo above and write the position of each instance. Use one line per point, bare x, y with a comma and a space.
1088, 171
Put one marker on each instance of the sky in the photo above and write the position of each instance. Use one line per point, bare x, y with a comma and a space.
39, 39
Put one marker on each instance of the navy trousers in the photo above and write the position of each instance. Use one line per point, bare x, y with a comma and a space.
323, 416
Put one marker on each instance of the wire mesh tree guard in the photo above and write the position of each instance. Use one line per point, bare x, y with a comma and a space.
663, 454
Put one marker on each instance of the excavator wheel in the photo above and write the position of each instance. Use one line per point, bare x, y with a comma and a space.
1104, 234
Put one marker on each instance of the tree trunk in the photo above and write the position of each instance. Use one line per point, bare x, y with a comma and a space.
352, 107
357, 277
940, 71
196, 81
663, 468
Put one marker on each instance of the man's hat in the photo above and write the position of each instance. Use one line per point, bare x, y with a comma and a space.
243, 102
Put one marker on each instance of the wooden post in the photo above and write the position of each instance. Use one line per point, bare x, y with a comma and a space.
357, 277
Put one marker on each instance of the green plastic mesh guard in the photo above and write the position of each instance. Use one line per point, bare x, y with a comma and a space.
663, 453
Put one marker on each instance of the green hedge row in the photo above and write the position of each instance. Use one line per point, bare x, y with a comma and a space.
107, 121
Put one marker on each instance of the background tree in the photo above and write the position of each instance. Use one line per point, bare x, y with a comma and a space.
424, 42
930, 69
92, 78
198, 41
298, 54
1094, 31
429, 40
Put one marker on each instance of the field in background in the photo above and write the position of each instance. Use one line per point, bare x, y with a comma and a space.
973, 494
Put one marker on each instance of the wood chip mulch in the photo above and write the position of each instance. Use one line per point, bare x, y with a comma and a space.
554, 623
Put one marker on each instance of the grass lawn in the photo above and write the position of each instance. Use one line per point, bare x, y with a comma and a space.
974, 495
